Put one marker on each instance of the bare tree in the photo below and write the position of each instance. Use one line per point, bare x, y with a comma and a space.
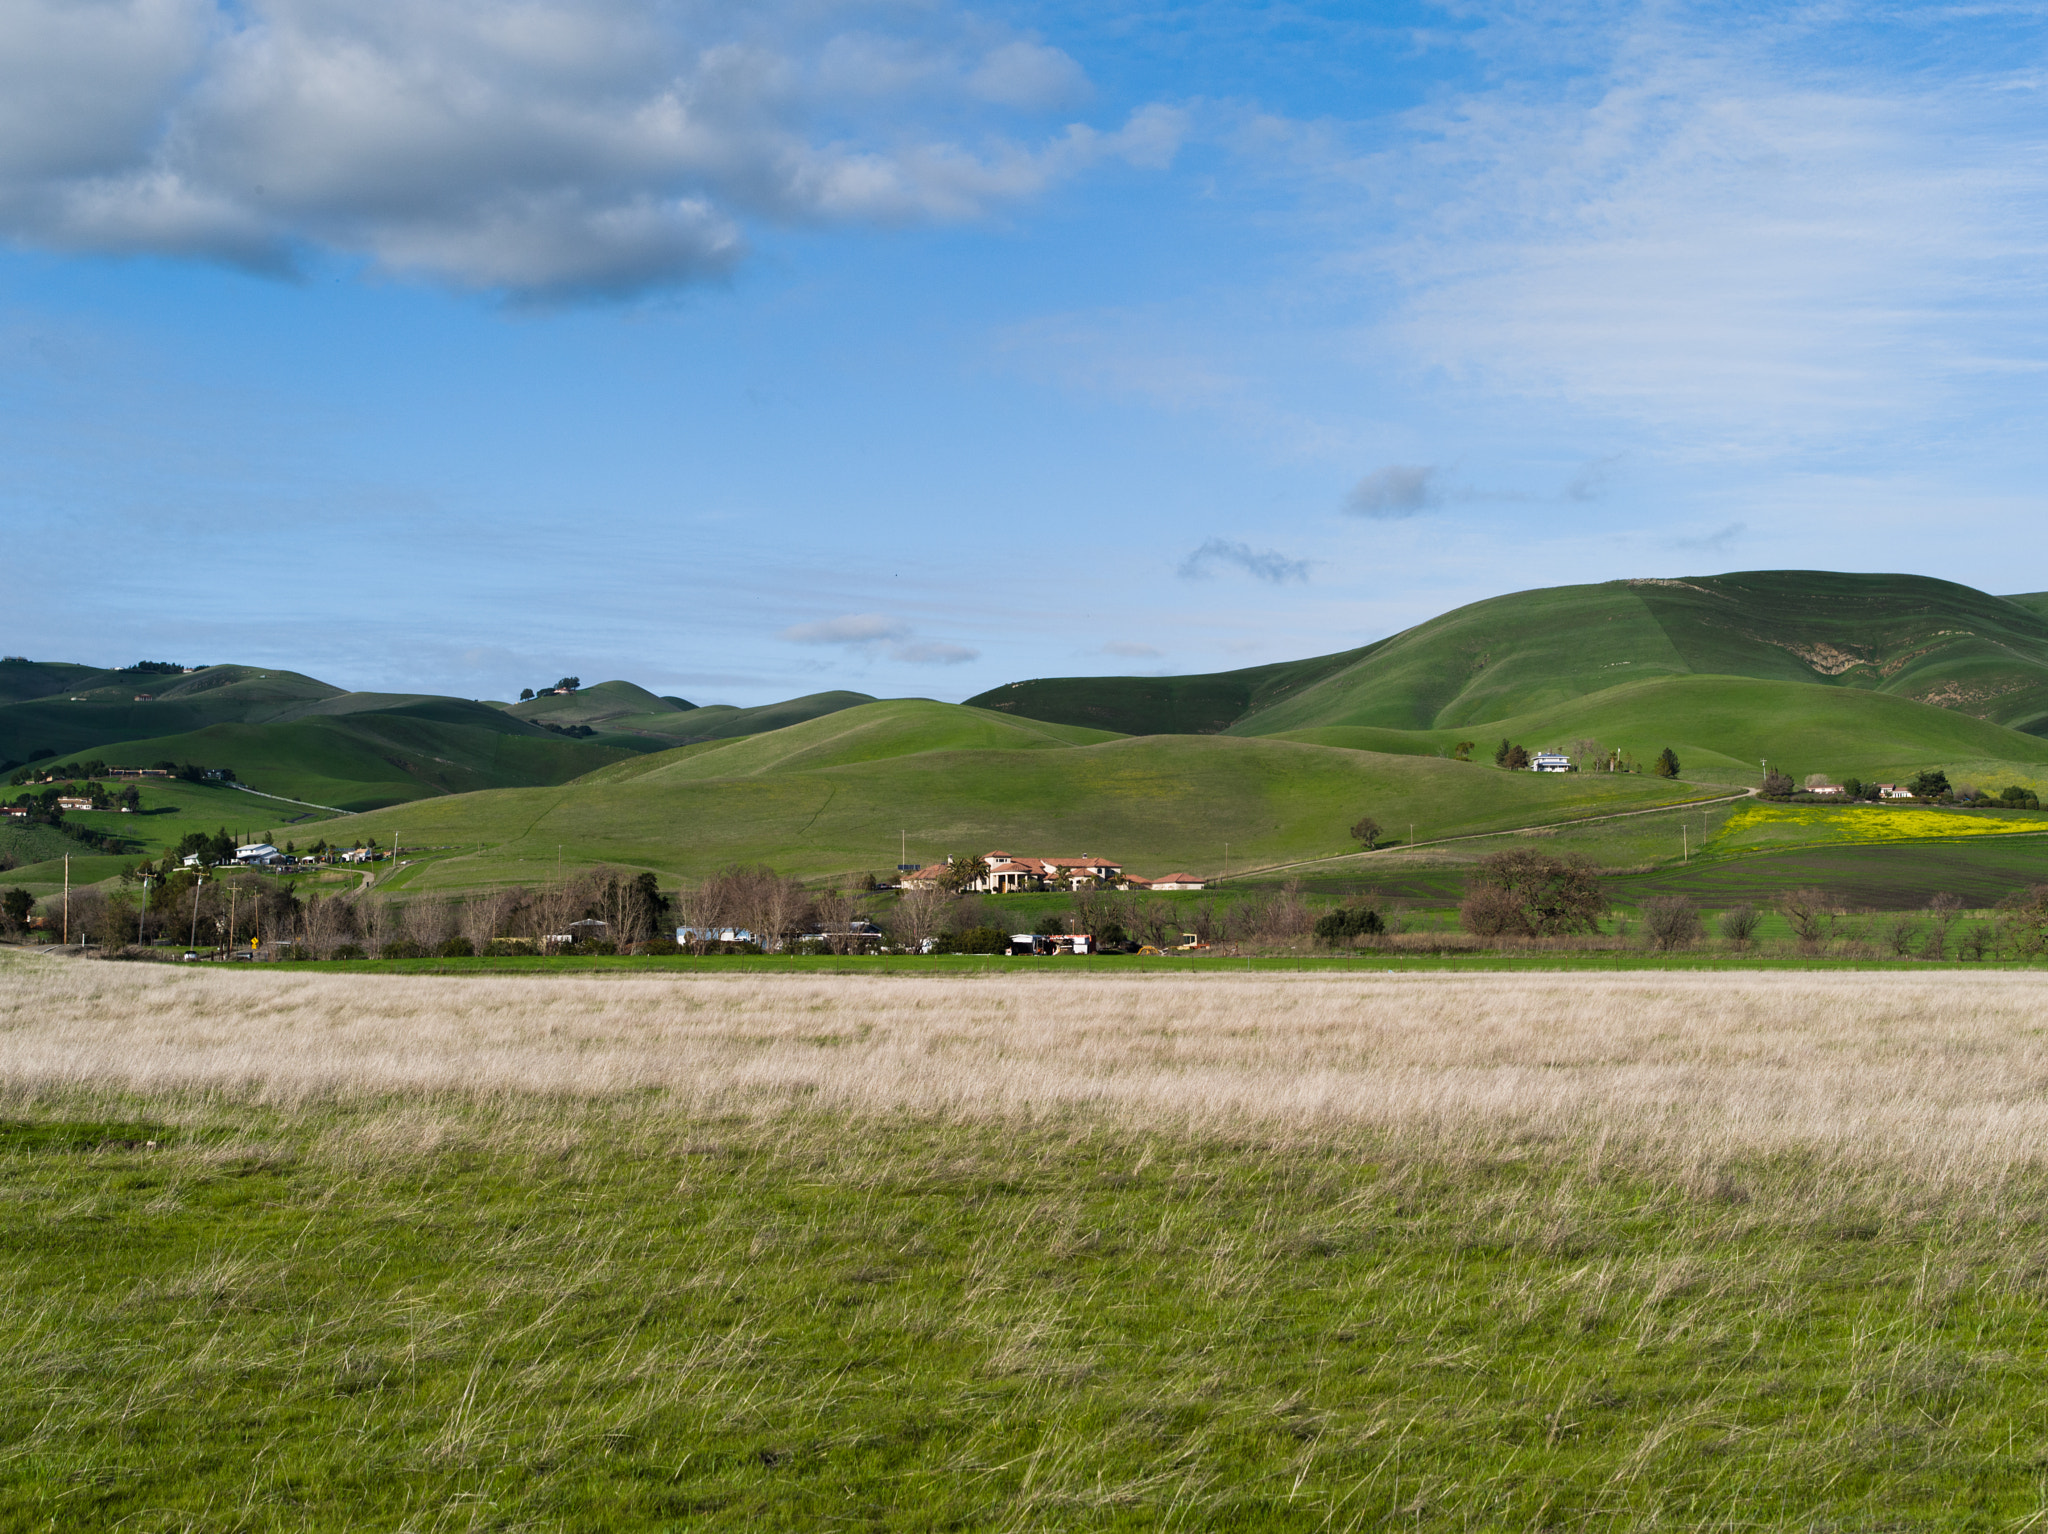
1811, 916
1673, 921
1944, 909
1739, 923
918, 917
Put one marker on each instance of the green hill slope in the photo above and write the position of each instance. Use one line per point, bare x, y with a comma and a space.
107, 711
362, 761
1724, 728
622, 711
865, 733
1163, 705
1908, 636
2032, 601
1159, 802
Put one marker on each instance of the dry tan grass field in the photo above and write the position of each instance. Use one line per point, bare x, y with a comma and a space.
1943, 1077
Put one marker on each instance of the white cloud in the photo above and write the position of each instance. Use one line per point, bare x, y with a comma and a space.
555, 148
879, 634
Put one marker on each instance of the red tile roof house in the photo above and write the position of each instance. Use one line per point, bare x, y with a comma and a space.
1007, 874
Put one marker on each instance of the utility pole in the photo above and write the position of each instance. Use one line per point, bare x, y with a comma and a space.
142, 916
67, 897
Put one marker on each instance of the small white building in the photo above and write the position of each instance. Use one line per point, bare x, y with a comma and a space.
258, 852
1550, 761
1180, 882
1893, 791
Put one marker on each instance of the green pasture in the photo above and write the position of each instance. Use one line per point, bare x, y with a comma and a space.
1724, 728
365, 760
834, 802
532, 1316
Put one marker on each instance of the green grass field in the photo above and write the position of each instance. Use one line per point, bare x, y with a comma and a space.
170, 812
466, 1319
1724, 728
832, 796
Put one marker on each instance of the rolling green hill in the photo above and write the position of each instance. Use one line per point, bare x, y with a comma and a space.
825, 802
627, 715
362, 761
2032, 601
1725, 727
1930, 641
1164, 705
303, 738
868, 732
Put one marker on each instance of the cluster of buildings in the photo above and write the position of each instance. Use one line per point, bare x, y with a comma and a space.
1008, 874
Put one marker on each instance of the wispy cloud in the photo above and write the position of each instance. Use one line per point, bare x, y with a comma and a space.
1398, 490
1723, 234
1716, 542
1267, 565
880, 634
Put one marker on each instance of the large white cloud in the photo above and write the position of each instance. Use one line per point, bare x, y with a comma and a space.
541, 147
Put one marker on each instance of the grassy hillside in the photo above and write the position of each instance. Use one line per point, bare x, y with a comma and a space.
106, 712
630, 716
1908, 636
1160, 802
597, 705
1725, 727
1163, 705
866, 733
362, 761
2032, 601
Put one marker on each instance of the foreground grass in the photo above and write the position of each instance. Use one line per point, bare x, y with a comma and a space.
437, 1317
290, 1250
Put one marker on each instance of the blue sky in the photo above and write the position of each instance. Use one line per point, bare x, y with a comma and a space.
916, 347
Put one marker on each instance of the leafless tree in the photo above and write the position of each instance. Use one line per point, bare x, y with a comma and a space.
919, 915
1811, 915
1673, 921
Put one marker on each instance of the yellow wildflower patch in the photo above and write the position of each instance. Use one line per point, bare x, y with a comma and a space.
1755, 825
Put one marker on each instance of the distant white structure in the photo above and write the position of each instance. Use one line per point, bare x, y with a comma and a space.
1550, 761
258, 852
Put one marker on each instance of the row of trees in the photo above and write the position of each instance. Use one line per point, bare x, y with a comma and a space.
1931, 786
562, 684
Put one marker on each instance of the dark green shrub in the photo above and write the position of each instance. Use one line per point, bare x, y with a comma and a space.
1348, 922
